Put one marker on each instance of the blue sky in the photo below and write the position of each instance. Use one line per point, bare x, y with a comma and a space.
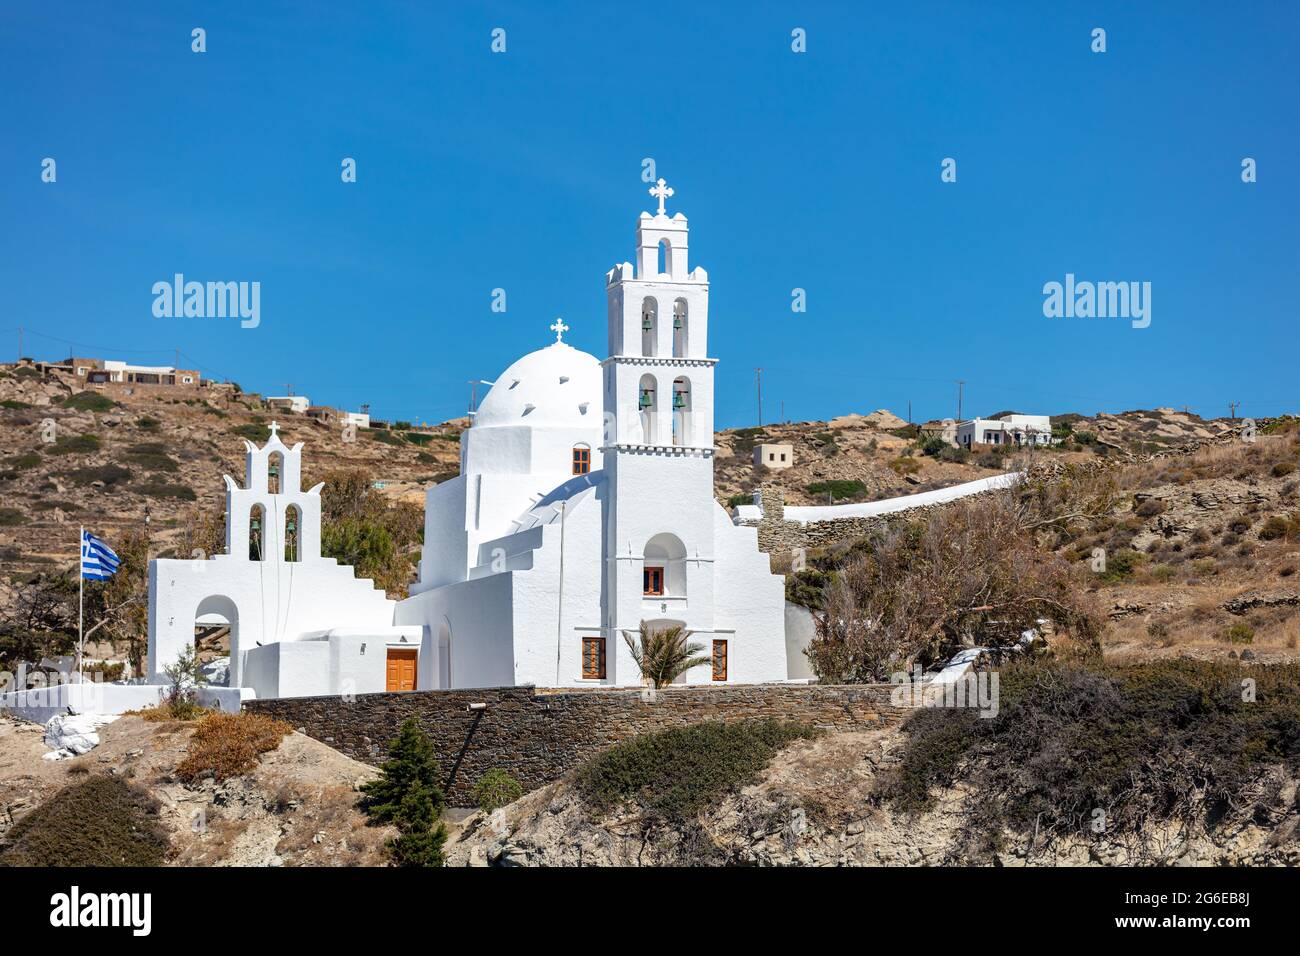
522, 171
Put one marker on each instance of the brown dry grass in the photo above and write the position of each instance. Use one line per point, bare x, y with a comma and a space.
227, 745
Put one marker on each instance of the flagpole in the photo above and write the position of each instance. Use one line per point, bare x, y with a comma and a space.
81, 604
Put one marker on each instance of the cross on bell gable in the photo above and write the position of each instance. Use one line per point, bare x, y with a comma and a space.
661, 191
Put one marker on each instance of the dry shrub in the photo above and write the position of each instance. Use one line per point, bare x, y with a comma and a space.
227, 745
163, 714
971, 572
1168, 741
100, 821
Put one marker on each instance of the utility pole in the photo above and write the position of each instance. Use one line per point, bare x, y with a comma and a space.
758, 381
20, 343
178, 360
288, 388
960, 384
1232, 410
909, 411
783, 411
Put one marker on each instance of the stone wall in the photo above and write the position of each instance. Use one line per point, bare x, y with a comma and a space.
538, 737
776, 535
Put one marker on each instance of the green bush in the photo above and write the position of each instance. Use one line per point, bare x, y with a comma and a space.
407, 795
1121, 565
839, 488
495, 789
742, 498
102, 821
418, 438
23, 462
151, 456
110, 475
388, 438
75, 445
89, 402
13, 404
1241, 634
254, 431
10, 517
673, 775
1275, 527
158, 489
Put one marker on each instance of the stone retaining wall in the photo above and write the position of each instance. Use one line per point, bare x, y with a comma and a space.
537, 738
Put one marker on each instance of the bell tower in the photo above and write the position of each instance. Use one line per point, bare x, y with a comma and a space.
658, 444
658, 377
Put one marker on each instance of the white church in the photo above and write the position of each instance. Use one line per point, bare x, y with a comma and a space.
583, 509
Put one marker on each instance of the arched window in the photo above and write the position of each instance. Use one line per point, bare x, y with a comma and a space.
256, 533
682, 411
664, 257
292, 533
649, 326
274, 472
648, 406
664, 567
581, 459
680, 330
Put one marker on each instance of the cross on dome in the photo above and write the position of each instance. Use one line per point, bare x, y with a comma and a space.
559, 328
661, 191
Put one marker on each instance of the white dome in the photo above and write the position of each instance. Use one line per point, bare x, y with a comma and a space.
554, 387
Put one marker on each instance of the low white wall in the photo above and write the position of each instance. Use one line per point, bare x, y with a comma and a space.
93, 698
811, 514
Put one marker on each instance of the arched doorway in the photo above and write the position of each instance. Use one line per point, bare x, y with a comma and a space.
216, 635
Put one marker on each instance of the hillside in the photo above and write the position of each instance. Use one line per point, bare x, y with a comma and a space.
118, 456
297, 807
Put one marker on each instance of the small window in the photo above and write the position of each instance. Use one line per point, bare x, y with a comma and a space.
654, 582
593, 658
783, 456
719, 660
581, 459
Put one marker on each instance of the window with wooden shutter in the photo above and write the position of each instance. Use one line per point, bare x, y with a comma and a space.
719, 660
654, 582
593, 658
581, 459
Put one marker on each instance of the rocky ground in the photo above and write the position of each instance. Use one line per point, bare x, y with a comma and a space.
813, 807
297, 808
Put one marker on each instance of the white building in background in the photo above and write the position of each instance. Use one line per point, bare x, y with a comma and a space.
1007, 430
360, 419
774, 457
584, 508
290, 403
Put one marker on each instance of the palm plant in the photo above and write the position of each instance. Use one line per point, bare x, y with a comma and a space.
664, 654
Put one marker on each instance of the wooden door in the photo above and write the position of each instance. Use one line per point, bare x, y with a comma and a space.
401, 668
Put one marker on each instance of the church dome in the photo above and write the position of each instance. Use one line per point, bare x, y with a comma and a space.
555, 387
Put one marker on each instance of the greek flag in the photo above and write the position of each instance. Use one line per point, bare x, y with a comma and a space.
98, 561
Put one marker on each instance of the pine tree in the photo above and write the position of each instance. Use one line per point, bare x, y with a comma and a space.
408, 796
